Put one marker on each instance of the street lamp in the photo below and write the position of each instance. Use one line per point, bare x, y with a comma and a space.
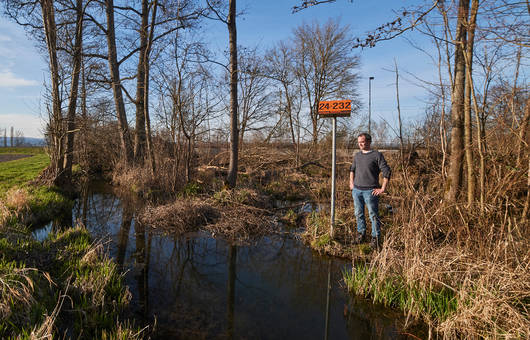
370, 105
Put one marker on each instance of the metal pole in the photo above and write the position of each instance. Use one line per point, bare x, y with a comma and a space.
370, 105
333, 162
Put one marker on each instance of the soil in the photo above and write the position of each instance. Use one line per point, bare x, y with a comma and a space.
11, 157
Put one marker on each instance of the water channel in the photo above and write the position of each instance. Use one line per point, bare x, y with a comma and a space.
197, 287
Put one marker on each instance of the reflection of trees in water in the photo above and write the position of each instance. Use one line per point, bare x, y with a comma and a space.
285, 264
202, 287
232, 259
142, 255
99, 212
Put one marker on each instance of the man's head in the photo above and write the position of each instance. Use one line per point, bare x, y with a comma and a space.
364, 140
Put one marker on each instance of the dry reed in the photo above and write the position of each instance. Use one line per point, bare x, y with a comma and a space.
180, 216
480, 254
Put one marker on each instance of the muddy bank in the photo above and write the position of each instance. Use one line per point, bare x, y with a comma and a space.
12, 157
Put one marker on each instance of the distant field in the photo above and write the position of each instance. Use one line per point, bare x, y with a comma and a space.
27, 150
19, 171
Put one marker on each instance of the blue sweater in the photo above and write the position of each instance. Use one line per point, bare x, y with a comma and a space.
366, 168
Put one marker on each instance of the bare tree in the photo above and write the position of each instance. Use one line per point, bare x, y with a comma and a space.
74, 87
326, 66
229, 20
19, 138
254, 95
116, 83
281, 69
457, 104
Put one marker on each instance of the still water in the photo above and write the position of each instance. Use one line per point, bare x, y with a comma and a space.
197, 287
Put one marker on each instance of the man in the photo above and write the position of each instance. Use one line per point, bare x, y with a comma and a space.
364, 183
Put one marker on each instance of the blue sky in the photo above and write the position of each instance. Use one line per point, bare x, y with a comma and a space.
23, 69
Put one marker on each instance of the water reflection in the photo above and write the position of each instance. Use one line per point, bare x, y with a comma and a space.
198, 287
232, 258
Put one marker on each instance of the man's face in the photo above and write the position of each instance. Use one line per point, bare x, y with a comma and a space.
364, 144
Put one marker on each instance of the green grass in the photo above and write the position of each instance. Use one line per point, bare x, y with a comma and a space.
20, 171
35, 150
67, 266
434, 303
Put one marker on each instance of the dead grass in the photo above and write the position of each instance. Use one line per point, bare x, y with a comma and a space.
16, 289
180, 216
228, 215
241, 224
481, 255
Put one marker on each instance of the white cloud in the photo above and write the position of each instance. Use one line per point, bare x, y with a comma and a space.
8, 79
30, 125
4, 38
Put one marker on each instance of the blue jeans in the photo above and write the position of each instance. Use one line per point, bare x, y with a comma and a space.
360, 198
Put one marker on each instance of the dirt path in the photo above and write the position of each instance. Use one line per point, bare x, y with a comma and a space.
5, 157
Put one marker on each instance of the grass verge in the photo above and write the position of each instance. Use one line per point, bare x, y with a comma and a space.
63, 286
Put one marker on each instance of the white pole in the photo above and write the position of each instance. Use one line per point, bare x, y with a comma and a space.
333, 162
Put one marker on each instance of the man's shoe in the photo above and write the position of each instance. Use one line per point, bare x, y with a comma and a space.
375, 244
359, 239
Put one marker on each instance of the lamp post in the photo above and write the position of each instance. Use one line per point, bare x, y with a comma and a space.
370, 105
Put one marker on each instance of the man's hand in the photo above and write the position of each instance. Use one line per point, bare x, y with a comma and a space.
377, 192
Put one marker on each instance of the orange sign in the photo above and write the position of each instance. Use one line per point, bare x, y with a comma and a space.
334, 108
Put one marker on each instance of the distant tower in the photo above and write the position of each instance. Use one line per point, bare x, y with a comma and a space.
12, 134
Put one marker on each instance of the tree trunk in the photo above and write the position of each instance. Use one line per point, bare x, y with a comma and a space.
468, 134
234, 142
399, 117
140, 136
48, 18
146, 92
523, 143
72, 105
125, 138
457, 105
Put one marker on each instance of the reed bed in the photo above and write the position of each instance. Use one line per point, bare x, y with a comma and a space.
464, 270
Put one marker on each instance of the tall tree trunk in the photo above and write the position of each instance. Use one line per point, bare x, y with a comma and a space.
399, 117
140, 136
468, 135
457, 105
72, 105
314, 120
125, 137
146, 92
50, 29
523, 143
234, 135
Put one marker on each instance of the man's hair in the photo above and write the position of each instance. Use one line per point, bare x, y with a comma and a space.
366, 136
